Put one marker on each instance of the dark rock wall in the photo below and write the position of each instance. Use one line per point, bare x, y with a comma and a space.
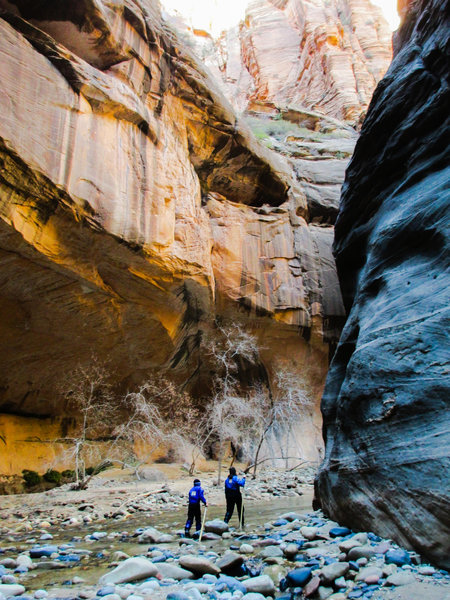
385, 406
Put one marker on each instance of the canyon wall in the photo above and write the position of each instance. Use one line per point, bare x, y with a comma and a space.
386, 402
136, 210
323, 56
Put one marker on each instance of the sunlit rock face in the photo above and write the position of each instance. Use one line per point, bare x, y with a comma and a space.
321, 55
135, 209
385, 407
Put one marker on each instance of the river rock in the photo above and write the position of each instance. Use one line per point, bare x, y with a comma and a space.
216, 526
334, 570
369, 572
296, 578
230, 561
290, 550
13, 589
309, 533
131, 569
246, 548
171, 571
271, 552
198, 565
253, 596
339, 532
177, 596
262, 584
358, 552
400, 578
324, 592
41, 551
397, 557
311, 587
150, 535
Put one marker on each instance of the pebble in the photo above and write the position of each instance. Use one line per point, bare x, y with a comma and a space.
400, 578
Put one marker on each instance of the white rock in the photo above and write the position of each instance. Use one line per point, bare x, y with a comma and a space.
262, 584
400, 578
246, 549
24, 561
368, 572
309, 533
171, 571
131, 569
426, 570
40, 594
11, 589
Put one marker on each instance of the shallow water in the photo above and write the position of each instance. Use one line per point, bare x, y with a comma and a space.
90, 568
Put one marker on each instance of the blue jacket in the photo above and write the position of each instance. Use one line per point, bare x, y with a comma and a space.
232, 485
196, 494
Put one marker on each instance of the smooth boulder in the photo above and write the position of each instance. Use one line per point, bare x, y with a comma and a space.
198, 565
131, 569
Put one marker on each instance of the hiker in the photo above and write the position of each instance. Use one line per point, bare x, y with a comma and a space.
233, 496
196, 495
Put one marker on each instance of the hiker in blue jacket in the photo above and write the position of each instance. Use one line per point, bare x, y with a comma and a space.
196, 495
233, 495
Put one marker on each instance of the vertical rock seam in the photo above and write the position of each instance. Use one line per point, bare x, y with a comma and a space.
385, 405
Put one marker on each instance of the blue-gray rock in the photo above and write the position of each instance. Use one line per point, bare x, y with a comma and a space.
385, 404
339, 532
397, 557
40, 551
296, 578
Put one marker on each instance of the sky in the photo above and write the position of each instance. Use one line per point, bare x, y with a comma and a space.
216, 15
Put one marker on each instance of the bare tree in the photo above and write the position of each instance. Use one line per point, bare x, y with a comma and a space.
144, 425
275, 412
89, 397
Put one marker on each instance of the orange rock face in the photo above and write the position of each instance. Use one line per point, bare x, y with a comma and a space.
135, 209
321, 55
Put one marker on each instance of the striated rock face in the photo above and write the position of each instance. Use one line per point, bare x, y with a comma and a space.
321, 55
385, 407
135, 209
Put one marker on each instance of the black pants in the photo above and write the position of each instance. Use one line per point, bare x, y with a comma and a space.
193, 513
233, 500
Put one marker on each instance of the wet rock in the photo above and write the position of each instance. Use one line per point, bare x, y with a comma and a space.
41, 551
262, 584
339, 532
229, 562
296, 578
131, 569
290, 550
216, 526
149, 536
177, 596
198, 565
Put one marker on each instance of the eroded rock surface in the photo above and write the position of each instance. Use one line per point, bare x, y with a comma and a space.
385, 407
325, 56
135, 209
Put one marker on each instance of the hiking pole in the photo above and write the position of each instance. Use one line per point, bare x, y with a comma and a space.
242, 510
203, 525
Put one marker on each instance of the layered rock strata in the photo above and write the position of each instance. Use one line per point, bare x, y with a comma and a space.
135, 209
385, 406
324, 56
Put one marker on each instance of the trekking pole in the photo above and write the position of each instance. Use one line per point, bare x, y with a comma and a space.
203, 525
242, 510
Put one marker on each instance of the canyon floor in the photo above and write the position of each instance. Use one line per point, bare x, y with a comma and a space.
60, 543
